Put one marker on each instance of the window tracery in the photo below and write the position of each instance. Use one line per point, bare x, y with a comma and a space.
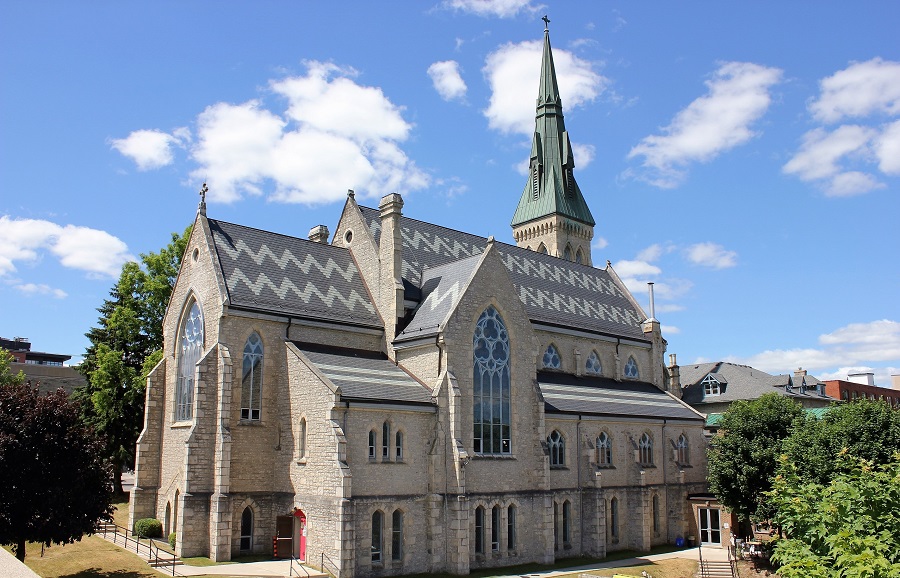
491, 385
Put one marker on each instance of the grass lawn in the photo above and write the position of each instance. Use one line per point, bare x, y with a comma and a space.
670, 568
92, 557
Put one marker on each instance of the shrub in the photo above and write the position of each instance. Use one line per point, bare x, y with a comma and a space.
172, 540
148, 528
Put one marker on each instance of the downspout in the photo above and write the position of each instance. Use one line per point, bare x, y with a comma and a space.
665, 480
580, 487
287, 331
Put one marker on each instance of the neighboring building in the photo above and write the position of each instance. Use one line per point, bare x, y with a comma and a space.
711, 387
411, 398
861, 386
45, 371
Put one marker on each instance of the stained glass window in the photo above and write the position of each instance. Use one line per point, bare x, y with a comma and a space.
251, 380
491, 383
190, 348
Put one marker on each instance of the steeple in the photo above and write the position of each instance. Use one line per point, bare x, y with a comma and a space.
552, 215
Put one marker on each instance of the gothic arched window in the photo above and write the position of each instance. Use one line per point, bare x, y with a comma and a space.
190, 346
681, 448
631, 368
377, 536
246, 529
557, 448
645, 448
592, 365
491, 383
567, 253
604, 449
579, 256
542, 249
551, 358
614, 518
251, 380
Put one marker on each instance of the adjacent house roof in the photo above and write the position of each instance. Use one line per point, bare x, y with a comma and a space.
365, 375
553, 290
565, 393
275, 273
740, 382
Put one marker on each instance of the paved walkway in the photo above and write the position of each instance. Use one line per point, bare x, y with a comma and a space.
282, 567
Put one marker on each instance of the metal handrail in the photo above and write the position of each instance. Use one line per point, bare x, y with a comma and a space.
293, 572
330, 561
153, 551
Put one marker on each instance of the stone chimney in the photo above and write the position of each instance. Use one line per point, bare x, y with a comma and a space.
799, 374
895, 381
319, 234
674, 379
390, 254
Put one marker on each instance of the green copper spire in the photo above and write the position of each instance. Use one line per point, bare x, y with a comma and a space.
551, 187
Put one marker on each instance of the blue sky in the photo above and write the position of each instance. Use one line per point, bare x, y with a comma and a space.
743, 156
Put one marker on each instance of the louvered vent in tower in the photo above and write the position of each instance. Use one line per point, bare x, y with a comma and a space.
535, 182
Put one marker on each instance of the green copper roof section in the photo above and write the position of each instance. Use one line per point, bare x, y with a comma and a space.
551, 187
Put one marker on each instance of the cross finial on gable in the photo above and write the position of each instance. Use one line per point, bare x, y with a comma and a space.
546, 23
202, 207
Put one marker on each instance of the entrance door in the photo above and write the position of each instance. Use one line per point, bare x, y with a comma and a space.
710, 527
300, 535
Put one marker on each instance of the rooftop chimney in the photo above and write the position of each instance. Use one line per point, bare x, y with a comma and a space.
319, 234
652, 301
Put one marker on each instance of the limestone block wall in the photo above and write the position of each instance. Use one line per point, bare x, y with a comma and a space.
574, 352
424, 362
149, 448
319, 475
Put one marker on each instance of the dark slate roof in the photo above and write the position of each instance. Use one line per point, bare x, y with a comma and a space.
286, 275
441, 289
603, 396
365, 375
740, 382
553, 290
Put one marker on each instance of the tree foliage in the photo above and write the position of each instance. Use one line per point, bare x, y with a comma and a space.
865, 429
128, 334
7, 377
54, 480
848, 528
744, 457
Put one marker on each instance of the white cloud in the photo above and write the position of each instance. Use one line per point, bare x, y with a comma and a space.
627, 268
711, 255
655, 251
738, 95
852, 346
150, 149
887, 149
583, 153
91, 250
41, 289
510, 71
599, 243
668, 308
335, 135
500, 8
668, 329
821, 153
861, 89
447, 80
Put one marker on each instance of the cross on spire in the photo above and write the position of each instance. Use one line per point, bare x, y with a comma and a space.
546, 23
202, 207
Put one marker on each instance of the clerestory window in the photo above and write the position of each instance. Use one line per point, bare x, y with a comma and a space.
681, 450
592, 365
645, 449
491, 385
551, 358
604, 450
557, 446
631, 368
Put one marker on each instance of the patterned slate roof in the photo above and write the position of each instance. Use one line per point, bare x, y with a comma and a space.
553, 290
286, 275
604, 396
365, 375
739, 382
441, 288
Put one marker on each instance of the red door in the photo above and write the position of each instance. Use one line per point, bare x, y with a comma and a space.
300, 534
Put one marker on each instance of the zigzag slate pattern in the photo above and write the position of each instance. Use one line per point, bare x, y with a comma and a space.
275, 273
553, 290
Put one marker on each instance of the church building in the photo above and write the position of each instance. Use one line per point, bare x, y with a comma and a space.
408, 398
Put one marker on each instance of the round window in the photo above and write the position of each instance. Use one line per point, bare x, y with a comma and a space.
348, 236
195, 255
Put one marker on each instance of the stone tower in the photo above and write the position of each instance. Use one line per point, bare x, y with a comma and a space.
552, 216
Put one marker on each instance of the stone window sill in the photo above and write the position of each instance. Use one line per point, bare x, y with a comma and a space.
181, 424
564, 468
250, 422
301, 461
493, 457
605, 467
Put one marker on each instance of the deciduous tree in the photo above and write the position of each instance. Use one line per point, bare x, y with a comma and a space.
744, 457
848, 528
865, 429
55, 484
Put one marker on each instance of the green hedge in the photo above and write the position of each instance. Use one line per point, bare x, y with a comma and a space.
172, 540
148, 528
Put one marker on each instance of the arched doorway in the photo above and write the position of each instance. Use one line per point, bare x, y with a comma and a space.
300, 534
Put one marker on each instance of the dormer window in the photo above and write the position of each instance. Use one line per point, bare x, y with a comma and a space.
711, 385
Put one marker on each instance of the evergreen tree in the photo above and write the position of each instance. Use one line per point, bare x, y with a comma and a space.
128, 333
